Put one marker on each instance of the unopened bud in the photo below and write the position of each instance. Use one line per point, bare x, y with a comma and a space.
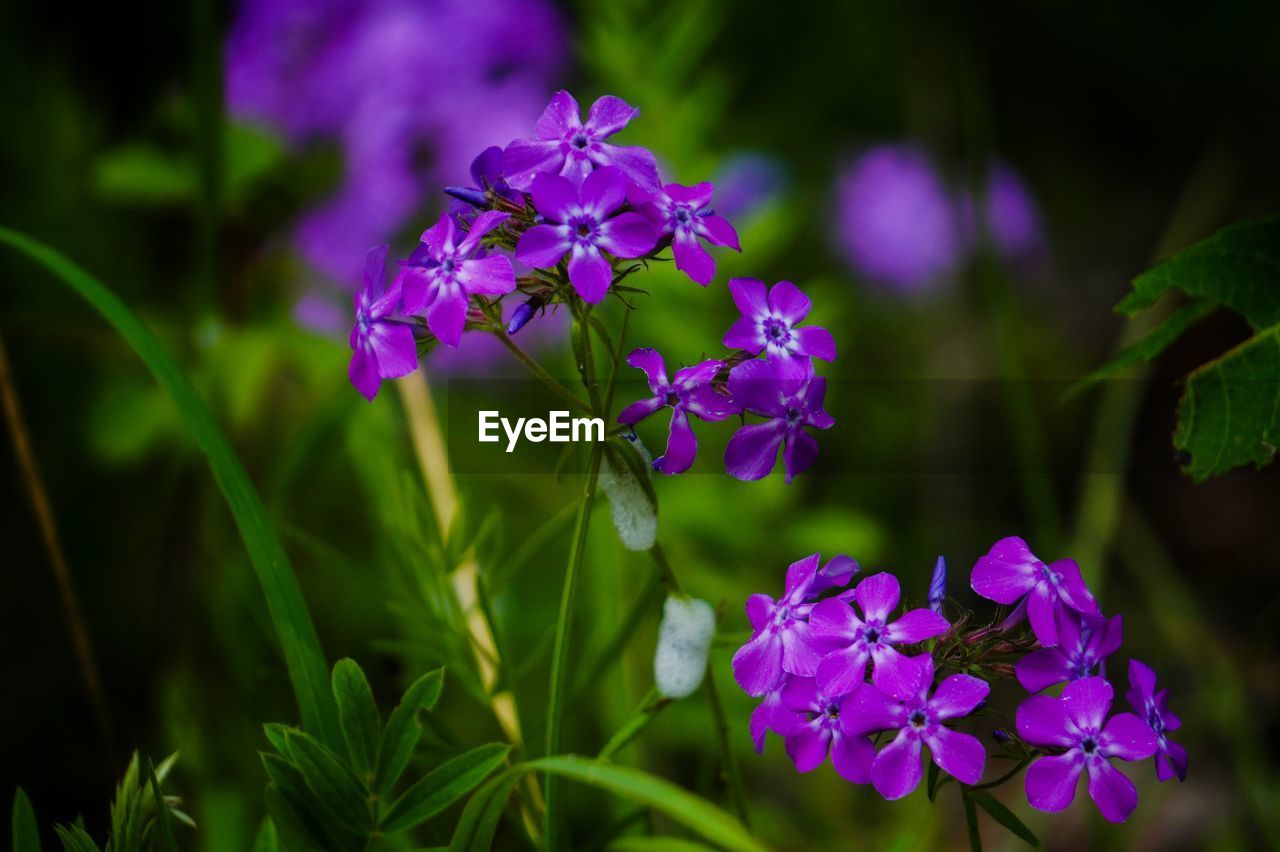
521, 316
468, 194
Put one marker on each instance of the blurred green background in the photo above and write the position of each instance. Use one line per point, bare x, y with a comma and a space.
1137, 128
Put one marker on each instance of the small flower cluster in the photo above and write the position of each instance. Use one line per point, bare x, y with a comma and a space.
566, 205
783, 387
811, 650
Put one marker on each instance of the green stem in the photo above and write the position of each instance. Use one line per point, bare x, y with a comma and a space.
560, 652
649, 708
732, 775
971, 821
665, 574
1003, 778
541, 374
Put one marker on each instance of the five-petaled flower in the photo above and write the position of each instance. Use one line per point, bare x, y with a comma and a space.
851, 641
1010, 571
564, 145
1171, 758
780, 640
768, 324
384, 345
1077, 722
690, 392
791, 402
444, 272
684, 213
811, 723
580, 223
918, 720
1084, 643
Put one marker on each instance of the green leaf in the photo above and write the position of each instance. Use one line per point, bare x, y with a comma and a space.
294, 628
445, 784
1229, 414
292, 829
26, 832
267, 839
278, 736
334, 785
75, 839
162, 810
479, 819
361, 724
656, 844
402, 731
1238, 267
1155, 342
1002, 815
932, 786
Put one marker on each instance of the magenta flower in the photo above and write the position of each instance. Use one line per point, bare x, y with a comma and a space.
689, 393
853, 642
486, 175
1084, 643
1171, 758
764, 717
443, 274
384, 345
1010, 571
564, 145
683, 212
811, 723
781, 641
1077, 722
896, 770
580, 223
768, 324
791, 402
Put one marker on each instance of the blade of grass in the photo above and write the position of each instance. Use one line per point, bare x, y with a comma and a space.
297, 635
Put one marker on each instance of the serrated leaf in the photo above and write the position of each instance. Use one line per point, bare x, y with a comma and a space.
332, 782
24, 829
358, 713
444, 785
402, 732
1229, 414
1003, 815
1237, 267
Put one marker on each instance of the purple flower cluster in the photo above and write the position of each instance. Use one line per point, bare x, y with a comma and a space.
562, 204
782, 388
843, 673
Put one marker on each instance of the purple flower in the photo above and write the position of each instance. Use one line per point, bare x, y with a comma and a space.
689, 393
1077, 722
764, 717
579, 225
564, 145
896, 220
1084, 643
791, 402
768, 324
748, 182
486, 174
938, 586
1010, 571
1171, 758
780, 641
384, 346
443, 273
1009, 216
853, 641
918, 719
811, 723
684, 213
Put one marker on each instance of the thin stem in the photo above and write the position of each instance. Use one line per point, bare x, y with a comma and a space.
971, 821
665, 574
560, 652
648, 710
43, 509
542, 375
617, 361
1005, 777
581, 314
643, 604
732, 775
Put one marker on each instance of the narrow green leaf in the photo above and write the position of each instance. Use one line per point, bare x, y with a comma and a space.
291, 827
75, 839
402, 731
294, 628
1230, 411
1150, 346
26, 832
163, 818
532, 546
333, 783
358, 713
479, 819
267, 839
693, 812
603, 334
932, 787
1003, 815
656, 844
278, 736
445, 784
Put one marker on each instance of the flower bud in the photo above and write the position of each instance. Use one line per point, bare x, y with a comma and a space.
521, 316
469, 195
1000, 735
684, 641
938, 586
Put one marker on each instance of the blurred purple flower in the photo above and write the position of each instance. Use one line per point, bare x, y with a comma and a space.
1077, 722
690, 392
1084, 643
748, 182
792, 403
1171, 758
768, 324
384, 345
684, 213
581, 223
1010, 215
896, 770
